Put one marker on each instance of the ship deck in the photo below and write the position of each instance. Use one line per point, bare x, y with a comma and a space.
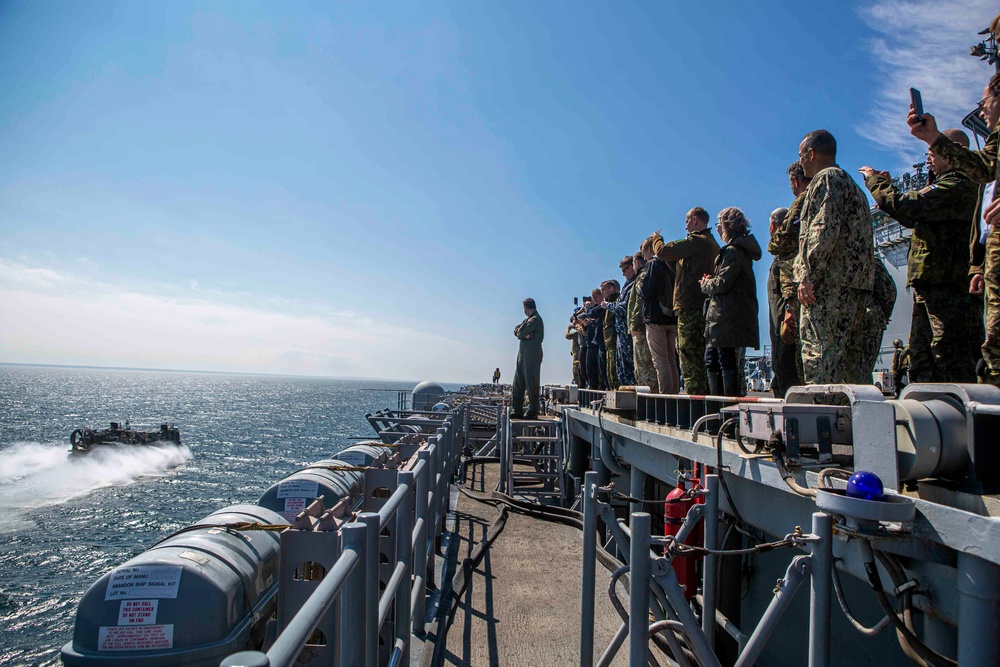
521, 603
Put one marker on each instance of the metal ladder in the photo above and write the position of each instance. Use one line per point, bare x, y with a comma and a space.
532, 455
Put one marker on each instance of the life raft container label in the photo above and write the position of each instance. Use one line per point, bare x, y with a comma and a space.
138, 612
292, 508
135, 637
298, 488
358, 459
144, 581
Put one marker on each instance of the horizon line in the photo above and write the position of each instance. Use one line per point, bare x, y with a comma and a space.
182, 370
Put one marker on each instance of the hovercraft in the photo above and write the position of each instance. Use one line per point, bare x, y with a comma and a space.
84, 439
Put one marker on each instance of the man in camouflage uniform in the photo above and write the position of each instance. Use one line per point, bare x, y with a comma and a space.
941, 217
878, 311
530, 333
573, 335
624, 367
835, 266
900, 365
645, 372
695, 257
981, 166
609, 290
782, 290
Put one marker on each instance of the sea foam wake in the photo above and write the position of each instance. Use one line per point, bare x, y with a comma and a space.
34, 474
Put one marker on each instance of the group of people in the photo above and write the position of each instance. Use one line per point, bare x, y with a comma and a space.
686, 312
830, 297
687, 309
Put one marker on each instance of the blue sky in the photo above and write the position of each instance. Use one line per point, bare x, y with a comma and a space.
370, 189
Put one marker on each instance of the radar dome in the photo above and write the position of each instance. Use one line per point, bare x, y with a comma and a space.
426, 394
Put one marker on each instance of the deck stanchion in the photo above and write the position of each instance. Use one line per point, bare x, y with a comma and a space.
352, 624
638, 605
371, 566
637, 488
432, 485
978, 601
445, 439
502, 447
820, 600
589, 570
423, 478
709, 584
404, 552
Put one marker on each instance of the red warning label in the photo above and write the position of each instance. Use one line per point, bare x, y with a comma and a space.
137, 612
135, 637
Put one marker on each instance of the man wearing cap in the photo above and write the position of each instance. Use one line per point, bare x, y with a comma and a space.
941, 217
529, 363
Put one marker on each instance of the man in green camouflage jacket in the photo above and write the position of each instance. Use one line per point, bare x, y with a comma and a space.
981, 166
940, 216
786, 358
900, 365
645, 372
695, 256
834, 267
610, 290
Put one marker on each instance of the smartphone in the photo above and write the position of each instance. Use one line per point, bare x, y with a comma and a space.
576, 301
918, 103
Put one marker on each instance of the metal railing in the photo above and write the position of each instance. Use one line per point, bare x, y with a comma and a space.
652, 574
414, 515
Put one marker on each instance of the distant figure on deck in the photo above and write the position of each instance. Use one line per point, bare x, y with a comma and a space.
529, 363
900, 365
496, 376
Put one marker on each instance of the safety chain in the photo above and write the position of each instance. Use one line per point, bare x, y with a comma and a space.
676, 548
689, 494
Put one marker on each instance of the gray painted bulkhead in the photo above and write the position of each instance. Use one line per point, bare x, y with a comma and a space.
930, 554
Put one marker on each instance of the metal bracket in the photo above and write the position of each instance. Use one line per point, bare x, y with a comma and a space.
824, 432
792, 452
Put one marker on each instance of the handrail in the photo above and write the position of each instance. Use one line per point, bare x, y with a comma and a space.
416, 507
389, 509
388, 595
288, 645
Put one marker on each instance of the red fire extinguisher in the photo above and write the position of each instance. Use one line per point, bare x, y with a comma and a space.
676, 507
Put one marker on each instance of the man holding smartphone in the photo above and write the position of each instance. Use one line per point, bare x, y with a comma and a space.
981, 166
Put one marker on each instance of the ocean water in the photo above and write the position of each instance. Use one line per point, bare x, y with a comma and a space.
65, 521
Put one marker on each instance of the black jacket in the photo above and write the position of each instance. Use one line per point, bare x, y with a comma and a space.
731, 319
656, 292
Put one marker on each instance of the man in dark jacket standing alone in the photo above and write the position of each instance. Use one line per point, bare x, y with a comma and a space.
695, 256
529, 363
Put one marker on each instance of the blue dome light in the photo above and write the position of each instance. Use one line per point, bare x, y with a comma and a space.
865, 485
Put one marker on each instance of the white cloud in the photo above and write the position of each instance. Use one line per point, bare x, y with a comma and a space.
923, 44
53, 316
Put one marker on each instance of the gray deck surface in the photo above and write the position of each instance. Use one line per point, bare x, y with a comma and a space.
522, 604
